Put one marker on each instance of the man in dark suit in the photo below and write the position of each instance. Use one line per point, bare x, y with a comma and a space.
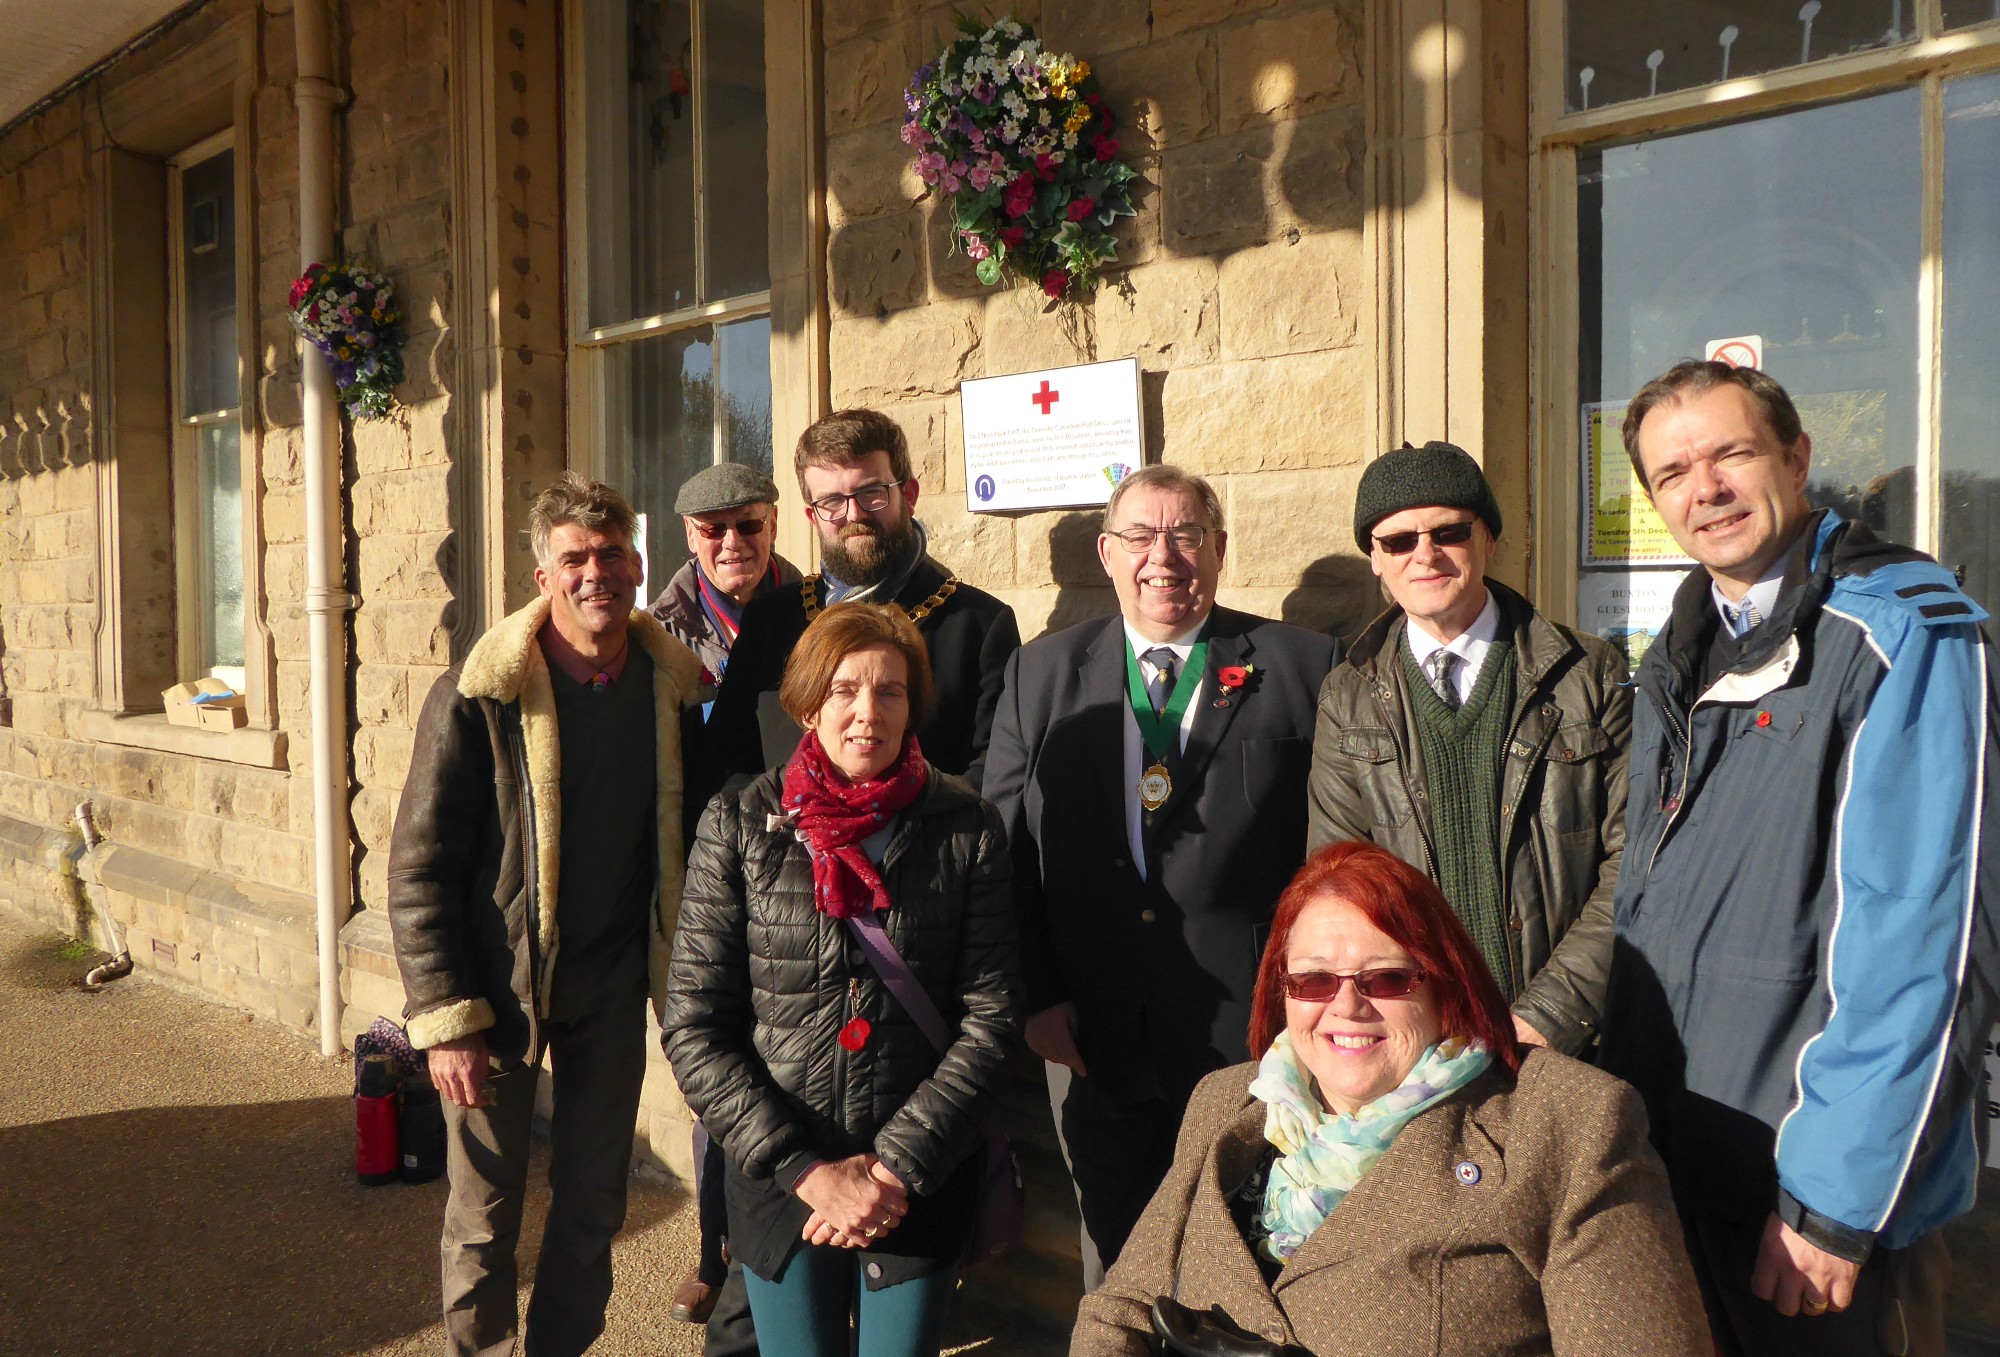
1151, 770
854, 469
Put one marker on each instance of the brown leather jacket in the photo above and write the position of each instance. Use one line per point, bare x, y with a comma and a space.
1562, 797
473, 858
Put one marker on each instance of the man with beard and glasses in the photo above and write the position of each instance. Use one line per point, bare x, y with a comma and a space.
854, 469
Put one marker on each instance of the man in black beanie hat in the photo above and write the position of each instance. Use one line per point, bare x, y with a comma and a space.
1478, 739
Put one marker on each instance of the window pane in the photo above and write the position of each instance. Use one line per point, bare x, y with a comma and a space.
1970, 458
746, 392
208, 274
734, 135
659, 429
1965, 13
639, 145
219, 542
1802, 228
1619, 50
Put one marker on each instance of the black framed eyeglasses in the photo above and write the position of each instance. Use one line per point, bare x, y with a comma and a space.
1403, 543
1185, 538
1323, 987
868, 499
714, 532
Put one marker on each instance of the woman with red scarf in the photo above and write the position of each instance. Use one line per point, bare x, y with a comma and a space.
853, 1142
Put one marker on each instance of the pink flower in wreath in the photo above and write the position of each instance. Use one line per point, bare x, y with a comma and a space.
1080, 208
975, 245
1054, 281
914, 135
952, 177
299, 289
929, 166
979, 176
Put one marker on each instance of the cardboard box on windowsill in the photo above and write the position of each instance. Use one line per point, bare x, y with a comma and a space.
221, 707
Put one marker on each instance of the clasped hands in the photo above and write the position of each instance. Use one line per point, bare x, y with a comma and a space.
854, 1201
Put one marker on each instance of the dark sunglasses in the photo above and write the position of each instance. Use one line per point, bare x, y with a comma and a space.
713, 532
1322, 987
1403, 543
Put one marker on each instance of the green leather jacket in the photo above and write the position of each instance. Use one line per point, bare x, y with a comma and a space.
1562, 797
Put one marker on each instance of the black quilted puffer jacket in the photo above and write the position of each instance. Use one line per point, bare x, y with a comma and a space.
761, 985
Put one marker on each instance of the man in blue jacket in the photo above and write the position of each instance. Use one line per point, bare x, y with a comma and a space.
1805, 957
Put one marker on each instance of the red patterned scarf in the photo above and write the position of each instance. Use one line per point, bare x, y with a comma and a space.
834, 815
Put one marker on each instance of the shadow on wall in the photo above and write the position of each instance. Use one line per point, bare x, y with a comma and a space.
1082, 591
1337, 595
227, 1229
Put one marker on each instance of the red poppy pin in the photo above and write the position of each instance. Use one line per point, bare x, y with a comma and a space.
855, 1035
1232, 678
1763, 718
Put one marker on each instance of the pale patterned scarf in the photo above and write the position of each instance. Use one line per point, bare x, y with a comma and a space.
1322, 1155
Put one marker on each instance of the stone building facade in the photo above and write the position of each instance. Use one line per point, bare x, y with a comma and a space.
1357, 223
1248, 287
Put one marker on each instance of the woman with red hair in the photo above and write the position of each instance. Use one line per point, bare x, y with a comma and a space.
1394, 1175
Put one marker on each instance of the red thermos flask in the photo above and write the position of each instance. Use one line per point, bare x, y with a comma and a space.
376, 1160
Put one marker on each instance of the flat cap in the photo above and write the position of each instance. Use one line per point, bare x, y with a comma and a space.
726, 485
1435, 475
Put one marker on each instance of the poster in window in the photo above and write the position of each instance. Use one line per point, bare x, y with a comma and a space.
1628, 608
1620, 526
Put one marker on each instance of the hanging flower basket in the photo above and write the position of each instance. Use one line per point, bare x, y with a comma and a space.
1018, 141
348, 313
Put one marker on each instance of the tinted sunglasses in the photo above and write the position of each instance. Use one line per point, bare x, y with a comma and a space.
713, 532
1403, 543
1322, 987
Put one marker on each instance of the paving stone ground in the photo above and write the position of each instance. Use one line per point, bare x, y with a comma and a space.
176, 1177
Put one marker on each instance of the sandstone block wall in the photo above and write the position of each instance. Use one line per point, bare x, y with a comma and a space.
251, 825
1242, 288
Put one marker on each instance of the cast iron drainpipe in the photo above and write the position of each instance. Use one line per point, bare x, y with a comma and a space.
327, 599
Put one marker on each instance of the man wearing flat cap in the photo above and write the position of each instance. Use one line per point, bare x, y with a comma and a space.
730, 512
1481, 741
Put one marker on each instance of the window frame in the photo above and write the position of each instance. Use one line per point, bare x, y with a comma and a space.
136, 123
795, 299
589, 345
193, 575
1557, 137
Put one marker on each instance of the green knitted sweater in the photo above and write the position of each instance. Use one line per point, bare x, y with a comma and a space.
1462, 753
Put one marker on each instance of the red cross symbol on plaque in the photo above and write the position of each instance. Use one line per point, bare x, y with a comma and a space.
1045, 397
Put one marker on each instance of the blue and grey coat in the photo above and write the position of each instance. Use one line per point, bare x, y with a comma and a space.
1806, 951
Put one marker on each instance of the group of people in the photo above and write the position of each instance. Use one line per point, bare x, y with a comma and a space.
1363, 1029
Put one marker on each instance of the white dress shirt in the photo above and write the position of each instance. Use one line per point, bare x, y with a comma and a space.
1740, 617
1136, 761
1471, 647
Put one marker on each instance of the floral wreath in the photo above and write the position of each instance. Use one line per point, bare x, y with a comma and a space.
348, 313
1019, 140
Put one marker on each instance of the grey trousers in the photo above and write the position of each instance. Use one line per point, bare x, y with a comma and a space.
597, 1065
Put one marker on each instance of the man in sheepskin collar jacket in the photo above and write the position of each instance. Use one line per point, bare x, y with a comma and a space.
534, 877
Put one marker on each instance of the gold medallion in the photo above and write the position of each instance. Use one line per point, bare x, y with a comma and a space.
1155, 787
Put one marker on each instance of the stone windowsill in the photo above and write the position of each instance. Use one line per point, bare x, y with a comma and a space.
247, 746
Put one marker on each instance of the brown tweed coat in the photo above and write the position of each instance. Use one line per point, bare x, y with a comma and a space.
1567, 1241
